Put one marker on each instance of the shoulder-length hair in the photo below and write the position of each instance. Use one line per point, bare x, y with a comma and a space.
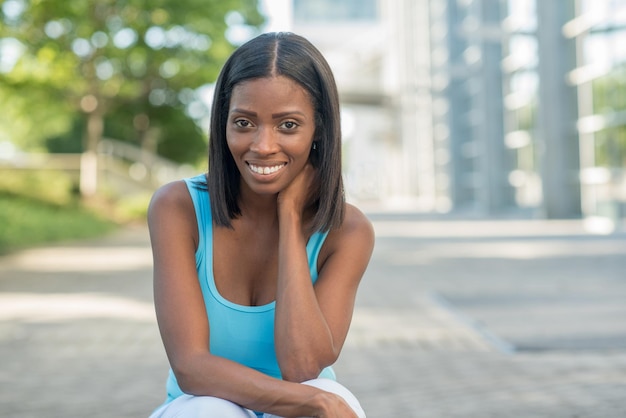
292, 56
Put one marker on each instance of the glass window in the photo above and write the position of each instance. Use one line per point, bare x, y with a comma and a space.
608, 92
610, 147
522, 15
315, 11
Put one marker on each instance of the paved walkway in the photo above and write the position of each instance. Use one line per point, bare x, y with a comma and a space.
454, 319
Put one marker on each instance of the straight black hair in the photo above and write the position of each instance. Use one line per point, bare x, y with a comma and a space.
290, 55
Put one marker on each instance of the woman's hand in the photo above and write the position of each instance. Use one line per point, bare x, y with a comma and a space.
336, 407
329, 405
301, 192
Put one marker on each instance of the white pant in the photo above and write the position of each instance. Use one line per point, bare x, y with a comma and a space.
188, 406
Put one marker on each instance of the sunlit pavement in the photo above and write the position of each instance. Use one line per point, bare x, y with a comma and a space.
454, 319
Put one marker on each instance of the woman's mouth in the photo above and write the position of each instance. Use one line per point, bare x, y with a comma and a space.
260, 169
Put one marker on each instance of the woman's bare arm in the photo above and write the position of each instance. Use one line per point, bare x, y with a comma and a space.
312, 321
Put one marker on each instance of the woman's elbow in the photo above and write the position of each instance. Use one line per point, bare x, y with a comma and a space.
185, 370
300, 374
301, 370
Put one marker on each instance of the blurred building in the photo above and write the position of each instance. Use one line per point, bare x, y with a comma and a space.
565, 106
482, 106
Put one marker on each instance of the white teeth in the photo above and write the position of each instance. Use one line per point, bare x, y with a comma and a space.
265, 170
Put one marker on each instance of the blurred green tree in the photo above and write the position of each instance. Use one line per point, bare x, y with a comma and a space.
126, 68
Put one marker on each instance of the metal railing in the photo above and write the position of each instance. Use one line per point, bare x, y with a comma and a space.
120, 167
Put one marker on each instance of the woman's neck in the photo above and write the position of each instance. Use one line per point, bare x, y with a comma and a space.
258, 207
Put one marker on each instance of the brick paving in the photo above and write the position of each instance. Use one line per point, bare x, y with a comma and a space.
454, 319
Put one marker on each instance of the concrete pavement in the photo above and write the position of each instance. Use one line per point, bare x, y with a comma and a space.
453, 319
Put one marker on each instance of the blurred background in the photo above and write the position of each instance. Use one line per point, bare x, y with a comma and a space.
485, 139
474, 108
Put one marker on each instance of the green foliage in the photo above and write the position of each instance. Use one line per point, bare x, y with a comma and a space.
608, 91
610, 147
609, 98
133, 208
178, 139
52, 187
69, 141
110, 57
27, 119
26, 222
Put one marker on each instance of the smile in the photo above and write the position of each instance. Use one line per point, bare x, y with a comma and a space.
266, 170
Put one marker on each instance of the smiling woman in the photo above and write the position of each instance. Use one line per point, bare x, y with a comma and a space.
257, 263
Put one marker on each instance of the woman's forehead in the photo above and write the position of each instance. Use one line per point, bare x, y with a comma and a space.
270, 91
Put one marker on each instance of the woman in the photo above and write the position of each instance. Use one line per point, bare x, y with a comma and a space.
257, 264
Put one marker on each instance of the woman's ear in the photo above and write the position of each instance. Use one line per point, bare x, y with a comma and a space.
314, 155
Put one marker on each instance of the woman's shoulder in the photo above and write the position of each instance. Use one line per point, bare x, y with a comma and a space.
171, 193
171, 198
171, 212
355, 229
356, 220
353, 240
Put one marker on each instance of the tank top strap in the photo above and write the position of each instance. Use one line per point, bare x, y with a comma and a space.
198, 191
313, 248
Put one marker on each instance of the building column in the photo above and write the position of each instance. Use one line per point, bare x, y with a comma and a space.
558, 112
495, 194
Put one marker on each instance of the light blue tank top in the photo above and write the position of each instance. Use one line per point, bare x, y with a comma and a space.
244, 334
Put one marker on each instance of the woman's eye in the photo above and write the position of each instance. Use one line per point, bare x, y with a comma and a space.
242, 123
289, 125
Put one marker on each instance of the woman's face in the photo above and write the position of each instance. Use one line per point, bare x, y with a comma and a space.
270, 129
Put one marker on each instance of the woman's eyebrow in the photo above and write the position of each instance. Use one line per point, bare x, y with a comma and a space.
244, 111
274, 115
287, 113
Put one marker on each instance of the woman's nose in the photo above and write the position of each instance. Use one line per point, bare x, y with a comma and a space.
265, 141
